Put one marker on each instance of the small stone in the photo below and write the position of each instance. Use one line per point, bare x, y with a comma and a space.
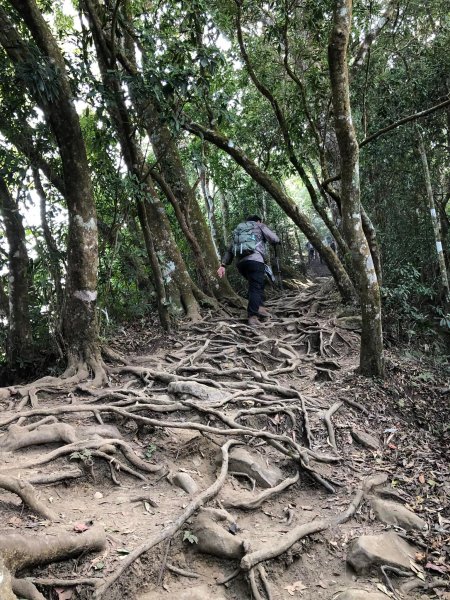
370, 551
241, 461
98, 495
185, 482
393, 513
359, 594
365, 439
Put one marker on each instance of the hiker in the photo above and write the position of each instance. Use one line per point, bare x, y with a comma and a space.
311, 251
249, 247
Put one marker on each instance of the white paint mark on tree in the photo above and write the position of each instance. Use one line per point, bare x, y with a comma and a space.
167, 271
90, 224
433, 212
439, 246
85, 295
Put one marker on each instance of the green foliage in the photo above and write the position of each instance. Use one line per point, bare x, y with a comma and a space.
150, 451
188, 536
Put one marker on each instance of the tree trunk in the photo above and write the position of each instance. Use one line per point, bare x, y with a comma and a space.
80, 329
283, 200
52, 248
180, 292
434, 220
174, 174
20, 339
371, 354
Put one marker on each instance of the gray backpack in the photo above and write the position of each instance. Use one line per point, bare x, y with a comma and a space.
246, 236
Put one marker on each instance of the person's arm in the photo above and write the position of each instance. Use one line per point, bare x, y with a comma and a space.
227, 259
269, 235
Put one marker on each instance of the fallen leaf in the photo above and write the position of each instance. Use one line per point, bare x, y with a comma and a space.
439, 568
297, 586
384, 589
80, 527
64, 593
422, 478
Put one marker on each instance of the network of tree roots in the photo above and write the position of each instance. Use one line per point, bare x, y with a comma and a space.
90, 499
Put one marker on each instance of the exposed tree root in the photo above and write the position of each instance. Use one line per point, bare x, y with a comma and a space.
26, 589
251, 559
327, 418
220, 374
19, 552
171, 529
28, 495
263, 496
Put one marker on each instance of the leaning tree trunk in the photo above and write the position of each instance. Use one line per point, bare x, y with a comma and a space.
20, 340
80, 329
434, 220
174, 174
268, 183
371, 355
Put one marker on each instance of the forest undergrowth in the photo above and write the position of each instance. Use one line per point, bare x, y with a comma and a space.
227, 462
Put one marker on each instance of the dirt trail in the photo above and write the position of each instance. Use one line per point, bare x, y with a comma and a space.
287, 457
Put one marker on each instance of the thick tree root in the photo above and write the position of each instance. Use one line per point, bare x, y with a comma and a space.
19, 552
171, 529
28, 495
251, 559
263, 496
25, 589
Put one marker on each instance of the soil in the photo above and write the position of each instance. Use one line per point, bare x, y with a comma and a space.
301, 354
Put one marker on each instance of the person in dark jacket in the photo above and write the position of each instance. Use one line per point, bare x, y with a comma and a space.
252, 268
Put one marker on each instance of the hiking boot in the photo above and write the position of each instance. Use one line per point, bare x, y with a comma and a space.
262, 310
253, 321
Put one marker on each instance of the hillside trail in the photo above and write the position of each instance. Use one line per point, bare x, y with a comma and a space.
232, 463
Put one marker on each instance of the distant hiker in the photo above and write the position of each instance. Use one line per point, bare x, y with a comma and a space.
311, 251
248, 245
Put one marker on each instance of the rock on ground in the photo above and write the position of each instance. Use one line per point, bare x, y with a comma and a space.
214, 539
198, 390
365, 439
393, 513
370, 551
185, 482
241, 461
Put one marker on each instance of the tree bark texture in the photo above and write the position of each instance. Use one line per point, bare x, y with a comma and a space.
80, 330
283, 200
434, 219
169, 268
172, 170
20, 339
52, 248
371, 354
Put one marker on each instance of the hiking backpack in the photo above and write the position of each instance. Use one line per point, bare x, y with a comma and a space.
245, 239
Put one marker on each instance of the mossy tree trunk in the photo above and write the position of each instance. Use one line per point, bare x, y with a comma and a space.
371, 354
80, 328
20, 339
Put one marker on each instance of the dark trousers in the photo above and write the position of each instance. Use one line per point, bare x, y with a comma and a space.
253, 271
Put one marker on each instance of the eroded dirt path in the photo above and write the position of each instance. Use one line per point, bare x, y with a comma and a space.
255, 456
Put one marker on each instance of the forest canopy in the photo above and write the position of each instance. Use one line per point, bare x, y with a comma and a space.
135, 136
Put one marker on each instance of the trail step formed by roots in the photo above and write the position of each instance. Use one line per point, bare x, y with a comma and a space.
137, 479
